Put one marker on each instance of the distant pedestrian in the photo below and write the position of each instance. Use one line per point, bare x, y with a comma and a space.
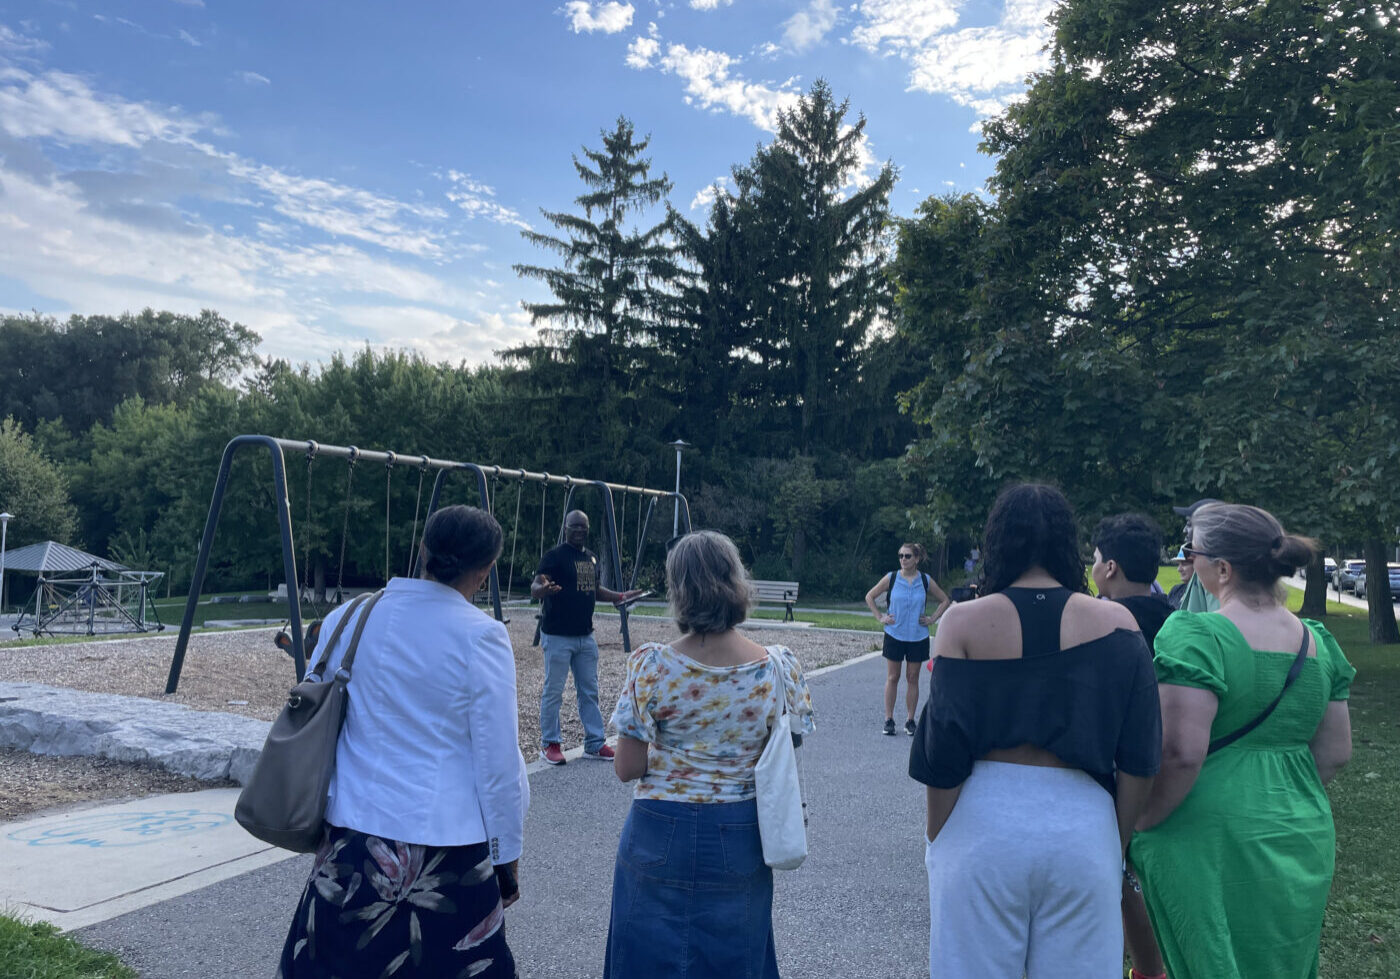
567, 587
1037, 750
906, 621
427, 804
691, 894
1184, 571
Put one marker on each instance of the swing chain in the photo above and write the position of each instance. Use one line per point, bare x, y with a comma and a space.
417, 507
388, 490
345, 525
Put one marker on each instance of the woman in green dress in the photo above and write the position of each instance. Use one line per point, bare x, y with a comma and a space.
1236, 847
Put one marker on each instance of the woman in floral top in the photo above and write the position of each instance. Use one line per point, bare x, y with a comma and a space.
691, 893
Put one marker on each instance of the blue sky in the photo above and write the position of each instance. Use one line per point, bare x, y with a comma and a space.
333, 175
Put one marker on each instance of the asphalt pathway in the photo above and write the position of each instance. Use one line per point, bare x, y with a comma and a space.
857, 907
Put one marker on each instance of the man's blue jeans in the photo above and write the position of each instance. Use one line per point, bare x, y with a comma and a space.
562, 654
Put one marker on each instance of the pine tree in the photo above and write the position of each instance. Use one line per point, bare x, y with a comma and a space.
611, 289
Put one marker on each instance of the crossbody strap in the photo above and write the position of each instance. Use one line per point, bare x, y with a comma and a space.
320, 668
1293, 672
779, 681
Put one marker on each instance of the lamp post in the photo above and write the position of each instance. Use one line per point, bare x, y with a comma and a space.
680, 446
5, 519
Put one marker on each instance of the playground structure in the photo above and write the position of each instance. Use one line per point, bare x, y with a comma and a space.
352, 455
93, 601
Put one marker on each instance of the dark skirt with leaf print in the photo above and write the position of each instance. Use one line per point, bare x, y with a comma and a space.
376, 908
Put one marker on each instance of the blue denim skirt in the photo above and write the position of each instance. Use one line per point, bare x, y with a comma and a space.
692, 897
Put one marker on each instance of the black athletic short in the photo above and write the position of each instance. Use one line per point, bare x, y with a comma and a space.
909, 652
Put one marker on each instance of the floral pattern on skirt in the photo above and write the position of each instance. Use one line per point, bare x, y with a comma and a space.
380, 909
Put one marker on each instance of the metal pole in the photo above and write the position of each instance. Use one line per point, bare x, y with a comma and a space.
5, 519
676, 510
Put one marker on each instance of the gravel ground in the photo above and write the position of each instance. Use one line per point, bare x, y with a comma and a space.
29, 783
244, 673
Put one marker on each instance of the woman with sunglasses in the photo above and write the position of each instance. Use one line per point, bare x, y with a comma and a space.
1235, 848
906, 621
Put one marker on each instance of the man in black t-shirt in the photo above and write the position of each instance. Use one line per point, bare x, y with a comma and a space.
566, 585
1127, 549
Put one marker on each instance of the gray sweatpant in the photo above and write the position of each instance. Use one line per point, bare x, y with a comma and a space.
1025, 878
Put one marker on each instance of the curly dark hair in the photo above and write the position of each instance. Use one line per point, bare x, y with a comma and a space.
1031, 525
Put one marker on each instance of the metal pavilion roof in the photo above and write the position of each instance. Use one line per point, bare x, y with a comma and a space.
51, 556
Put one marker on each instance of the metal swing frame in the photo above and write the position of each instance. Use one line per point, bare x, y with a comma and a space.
277, 449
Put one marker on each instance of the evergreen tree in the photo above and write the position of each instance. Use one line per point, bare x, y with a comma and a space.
598, 366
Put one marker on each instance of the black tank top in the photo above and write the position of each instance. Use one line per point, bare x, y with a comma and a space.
1039, 610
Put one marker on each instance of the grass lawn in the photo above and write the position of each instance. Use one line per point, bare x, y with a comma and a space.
1361, 930
863, 621
38, 951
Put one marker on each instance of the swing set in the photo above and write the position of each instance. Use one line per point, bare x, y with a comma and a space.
488, 481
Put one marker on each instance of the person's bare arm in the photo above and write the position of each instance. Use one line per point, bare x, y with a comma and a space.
1331, 743
940, 807
608, 595
881, 586
944, 602
1187, 713
1131, 798
630, 762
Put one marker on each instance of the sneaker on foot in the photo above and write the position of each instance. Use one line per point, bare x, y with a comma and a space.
910, 727
552, 753
605, 753
889, 727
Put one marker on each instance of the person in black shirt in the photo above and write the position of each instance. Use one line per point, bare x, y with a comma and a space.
566, 585
1038, 746
1127, 549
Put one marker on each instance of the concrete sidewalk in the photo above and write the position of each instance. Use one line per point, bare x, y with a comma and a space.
857, 907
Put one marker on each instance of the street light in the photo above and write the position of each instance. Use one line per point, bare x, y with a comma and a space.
680, 446
5, 519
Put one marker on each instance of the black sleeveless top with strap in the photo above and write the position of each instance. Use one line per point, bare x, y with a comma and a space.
1094, 706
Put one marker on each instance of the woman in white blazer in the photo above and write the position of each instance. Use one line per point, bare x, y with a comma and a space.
427, 805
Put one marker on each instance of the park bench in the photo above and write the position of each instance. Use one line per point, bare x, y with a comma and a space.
778, 593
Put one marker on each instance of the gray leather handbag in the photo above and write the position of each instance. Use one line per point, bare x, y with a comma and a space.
284, 802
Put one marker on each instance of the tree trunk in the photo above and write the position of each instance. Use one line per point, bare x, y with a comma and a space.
1315, 593
1380, 611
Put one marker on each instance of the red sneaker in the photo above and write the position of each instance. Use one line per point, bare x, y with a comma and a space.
605, 753
552, 754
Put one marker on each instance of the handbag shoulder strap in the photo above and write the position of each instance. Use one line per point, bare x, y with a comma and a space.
320, 668
1293, 672
349, 659
779, 681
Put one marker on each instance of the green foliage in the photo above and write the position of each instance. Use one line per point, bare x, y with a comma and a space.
33, 489
82, 369
1184, 284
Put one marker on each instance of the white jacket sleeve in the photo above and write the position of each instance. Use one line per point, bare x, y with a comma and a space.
499, 768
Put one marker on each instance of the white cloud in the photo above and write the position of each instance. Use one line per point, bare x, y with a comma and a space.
606, 17
17, 43
63, 107
982, 67
189, 38
642, 51
252, 78
807, 27
709, 4
477, 200
190, 3
709, 193
709, 83
904, 25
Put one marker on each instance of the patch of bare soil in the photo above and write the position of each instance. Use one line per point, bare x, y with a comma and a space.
30, 783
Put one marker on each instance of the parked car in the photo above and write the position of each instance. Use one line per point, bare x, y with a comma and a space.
1394, 572
1347, 572
1329, 568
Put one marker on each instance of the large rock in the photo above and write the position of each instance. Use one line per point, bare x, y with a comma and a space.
55, 721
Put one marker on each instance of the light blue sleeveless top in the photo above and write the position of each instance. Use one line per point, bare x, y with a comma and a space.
907, 600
